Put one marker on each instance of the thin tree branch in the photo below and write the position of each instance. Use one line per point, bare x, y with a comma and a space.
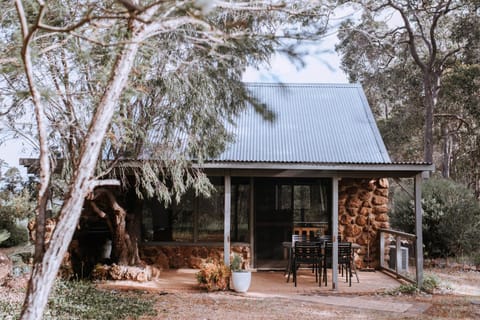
45, 166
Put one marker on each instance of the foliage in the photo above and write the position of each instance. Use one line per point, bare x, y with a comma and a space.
213, 276
418, 62
185, 83
408, 288
430, 283
81, 300
16, 205
237, 264
461, 97
451, 218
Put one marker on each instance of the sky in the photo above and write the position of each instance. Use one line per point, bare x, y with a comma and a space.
322, 65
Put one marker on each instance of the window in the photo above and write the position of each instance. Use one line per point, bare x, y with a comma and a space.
308, 201
199, 218
210, 214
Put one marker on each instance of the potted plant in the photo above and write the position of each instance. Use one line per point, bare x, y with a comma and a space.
241, 276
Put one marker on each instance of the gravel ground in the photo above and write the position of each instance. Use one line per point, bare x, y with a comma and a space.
458, 298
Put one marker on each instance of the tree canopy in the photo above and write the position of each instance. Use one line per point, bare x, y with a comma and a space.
418, 62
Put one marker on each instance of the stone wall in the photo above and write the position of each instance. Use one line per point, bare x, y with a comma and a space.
363, 209
174, 256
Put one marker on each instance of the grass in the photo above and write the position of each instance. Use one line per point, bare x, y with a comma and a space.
81, 300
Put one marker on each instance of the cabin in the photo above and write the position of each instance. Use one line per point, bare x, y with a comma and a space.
320, 168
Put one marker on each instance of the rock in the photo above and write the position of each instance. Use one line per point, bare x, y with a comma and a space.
361, 220
383, 183
378, 200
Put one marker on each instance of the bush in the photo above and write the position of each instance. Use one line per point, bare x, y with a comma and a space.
18, 234
451, 218
13, 209
213, 276
430, 283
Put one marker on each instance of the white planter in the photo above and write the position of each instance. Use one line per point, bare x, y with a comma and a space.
241, 281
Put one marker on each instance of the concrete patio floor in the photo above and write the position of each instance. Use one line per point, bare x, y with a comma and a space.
274, 282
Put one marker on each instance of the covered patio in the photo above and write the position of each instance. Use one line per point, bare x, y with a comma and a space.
269, 283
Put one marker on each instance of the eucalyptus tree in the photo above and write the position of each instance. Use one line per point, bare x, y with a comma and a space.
459, 119
405, 48
131, 80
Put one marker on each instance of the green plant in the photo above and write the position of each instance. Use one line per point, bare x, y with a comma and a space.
430, 283
237, 264
451, 217
408, 288
14, 210
213, 276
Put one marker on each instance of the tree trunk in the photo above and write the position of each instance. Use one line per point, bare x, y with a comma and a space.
431, 83
44, 272
446, 151
125, 228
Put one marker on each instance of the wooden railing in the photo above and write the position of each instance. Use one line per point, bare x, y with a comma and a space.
400, 247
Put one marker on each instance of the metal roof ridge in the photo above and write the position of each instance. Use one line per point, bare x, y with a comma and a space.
303, 84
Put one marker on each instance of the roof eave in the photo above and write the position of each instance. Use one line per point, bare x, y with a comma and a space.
329, 169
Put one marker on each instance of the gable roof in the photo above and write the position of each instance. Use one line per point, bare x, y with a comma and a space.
315, 123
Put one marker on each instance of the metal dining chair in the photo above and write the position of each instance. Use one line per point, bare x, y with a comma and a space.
295, 238
307, 252
344, 260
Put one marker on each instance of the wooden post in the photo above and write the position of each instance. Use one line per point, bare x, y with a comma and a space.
335, 233
418, 229
226, 224
251, 223
382, 249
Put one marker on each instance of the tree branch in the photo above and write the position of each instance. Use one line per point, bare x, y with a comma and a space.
411, 36
45, 172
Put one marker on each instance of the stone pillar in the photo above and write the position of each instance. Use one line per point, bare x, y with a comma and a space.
362, 210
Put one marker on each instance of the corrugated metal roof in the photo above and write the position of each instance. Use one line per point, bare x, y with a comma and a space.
319, 123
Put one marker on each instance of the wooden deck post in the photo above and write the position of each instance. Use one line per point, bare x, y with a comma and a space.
226, 224
335, 233
418, 229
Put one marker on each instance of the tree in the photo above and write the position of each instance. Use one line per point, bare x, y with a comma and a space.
87, 62
412, 52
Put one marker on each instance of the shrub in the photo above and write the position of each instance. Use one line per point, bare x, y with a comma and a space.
408, 288
430, 283
13, 209
213, 276
451, 218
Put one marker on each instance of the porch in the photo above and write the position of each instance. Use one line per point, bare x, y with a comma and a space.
270, 283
